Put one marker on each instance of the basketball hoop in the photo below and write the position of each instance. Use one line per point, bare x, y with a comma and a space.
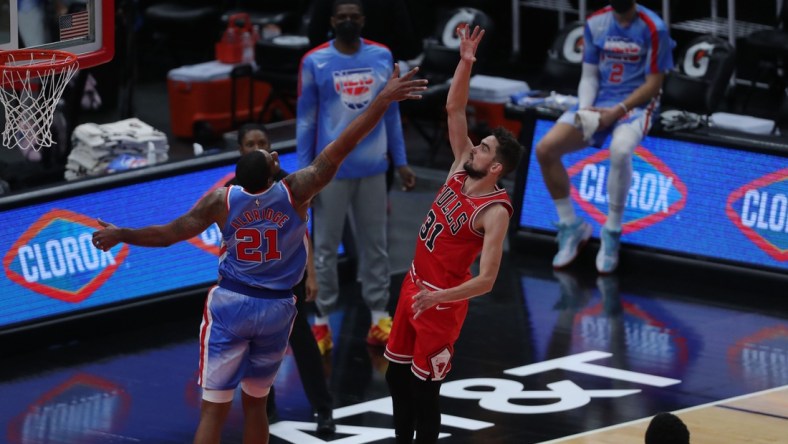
31, 83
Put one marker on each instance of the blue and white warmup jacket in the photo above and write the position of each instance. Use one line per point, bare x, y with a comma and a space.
334, 88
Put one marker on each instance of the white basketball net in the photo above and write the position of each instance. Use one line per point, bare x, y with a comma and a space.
30, 96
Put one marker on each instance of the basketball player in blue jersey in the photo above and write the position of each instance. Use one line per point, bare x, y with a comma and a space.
249, 314
627, 51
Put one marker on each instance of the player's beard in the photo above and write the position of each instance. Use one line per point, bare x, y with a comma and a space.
472, 173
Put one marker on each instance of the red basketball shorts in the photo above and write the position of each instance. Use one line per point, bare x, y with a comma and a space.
426, 343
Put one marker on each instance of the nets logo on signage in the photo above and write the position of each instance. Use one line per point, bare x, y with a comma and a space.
55, 257
655, 194
210, 240
760, 210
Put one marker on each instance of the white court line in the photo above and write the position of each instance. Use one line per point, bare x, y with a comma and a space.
646, 419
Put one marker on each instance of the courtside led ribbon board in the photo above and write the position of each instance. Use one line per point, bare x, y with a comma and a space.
690, 199
51, 268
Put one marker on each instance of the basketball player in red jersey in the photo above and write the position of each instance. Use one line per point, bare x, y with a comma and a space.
469, 217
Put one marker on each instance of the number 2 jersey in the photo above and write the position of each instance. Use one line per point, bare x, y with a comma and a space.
626, 55
448, 244
263, 239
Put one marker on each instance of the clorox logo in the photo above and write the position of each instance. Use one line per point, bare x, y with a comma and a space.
354, 86
760, 359
79, 410
653, 341
55, 257
655, 194
760, 210
210, 240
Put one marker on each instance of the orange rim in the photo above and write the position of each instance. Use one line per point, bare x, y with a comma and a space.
36, 61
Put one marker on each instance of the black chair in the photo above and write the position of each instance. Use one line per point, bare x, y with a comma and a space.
781, 120
564, 64
278, 60
284, 14
701, 77
770, 48
185, 29
438, 62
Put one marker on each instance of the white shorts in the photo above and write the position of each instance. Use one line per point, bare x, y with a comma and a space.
639, 119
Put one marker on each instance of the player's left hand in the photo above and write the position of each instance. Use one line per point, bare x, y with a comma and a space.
423, 300
608, 116
407, 177
107, 237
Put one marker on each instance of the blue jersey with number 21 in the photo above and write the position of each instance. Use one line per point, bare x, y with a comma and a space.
263, 239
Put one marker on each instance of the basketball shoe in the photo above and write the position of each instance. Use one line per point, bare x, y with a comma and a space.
570, 238
323, 338
378, 335
607, 258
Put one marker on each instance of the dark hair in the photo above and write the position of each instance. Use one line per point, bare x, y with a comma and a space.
509, 150
245, 128
667, 428
337, 3
252, 171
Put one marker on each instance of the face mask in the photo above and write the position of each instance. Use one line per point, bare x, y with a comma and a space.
622, 6
348, 31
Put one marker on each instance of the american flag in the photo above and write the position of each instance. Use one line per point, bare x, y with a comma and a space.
74, 25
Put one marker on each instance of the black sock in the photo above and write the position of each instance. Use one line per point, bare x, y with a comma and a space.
400, 381
428, 412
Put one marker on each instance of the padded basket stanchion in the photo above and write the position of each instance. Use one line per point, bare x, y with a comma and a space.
32, 82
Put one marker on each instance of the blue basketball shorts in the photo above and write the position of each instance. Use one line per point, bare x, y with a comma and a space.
243, 338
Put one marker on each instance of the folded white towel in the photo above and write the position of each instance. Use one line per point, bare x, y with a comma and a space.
587, 121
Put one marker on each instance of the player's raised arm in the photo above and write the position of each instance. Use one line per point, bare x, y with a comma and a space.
208, 210
307, 182
457, 99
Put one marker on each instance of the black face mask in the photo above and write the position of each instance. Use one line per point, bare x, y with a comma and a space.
622, 6
348, 31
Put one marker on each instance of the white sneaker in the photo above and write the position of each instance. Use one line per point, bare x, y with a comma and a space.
607, 258
570, 238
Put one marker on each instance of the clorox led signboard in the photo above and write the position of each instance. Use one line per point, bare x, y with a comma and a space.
712, 202
51, 269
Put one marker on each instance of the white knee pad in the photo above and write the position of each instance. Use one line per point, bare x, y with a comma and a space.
254, 388
623, 143
217, 396
622, 146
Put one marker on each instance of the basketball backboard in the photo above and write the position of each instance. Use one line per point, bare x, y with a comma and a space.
83, 27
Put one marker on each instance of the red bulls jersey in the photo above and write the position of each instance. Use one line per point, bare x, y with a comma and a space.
448, 244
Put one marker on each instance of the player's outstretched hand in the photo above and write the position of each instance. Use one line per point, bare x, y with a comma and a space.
405, 87
469, 41
107, 237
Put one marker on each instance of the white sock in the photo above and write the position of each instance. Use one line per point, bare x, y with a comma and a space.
321, 320
377, 315
566, 212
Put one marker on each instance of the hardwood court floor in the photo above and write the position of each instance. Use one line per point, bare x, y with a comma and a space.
756, 418
545, 356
